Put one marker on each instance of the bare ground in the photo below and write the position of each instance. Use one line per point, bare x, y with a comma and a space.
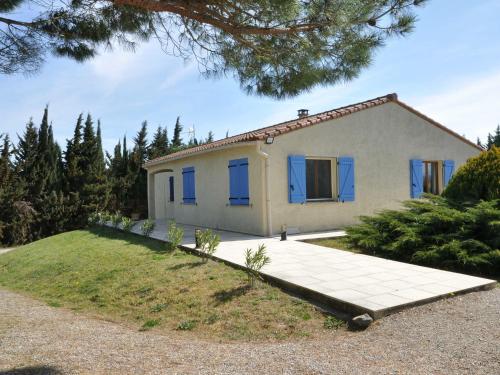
460, 335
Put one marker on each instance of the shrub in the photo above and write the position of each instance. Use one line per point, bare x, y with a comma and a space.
208, 243
332, 322
127, 224
147, 227
254, 261
477, 179
435, 232
104, 217
175, 235
116, 219
94, 218
150, 324
186, 325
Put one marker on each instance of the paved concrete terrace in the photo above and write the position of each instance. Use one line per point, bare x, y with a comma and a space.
354, 283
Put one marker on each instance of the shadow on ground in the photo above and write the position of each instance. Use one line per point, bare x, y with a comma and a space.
115, 234
32, 370
227, 295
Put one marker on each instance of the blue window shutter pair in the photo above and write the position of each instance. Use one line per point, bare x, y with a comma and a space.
448, 169
346, 179
297, 179
171, 188
188, 187
238, 182
416, 178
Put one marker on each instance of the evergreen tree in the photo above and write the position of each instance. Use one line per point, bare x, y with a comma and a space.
26, 158
73, 155
210, 137
6, 169
138, 175
159, 146
177, 140
100, 162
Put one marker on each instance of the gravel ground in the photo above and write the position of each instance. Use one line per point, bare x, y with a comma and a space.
460, 335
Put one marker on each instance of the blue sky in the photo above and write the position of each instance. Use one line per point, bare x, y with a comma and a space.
449, 68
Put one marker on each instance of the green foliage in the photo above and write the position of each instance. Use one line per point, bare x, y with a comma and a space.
150, 324
175, 235
477, 179
208, 242
435, 232
116, 219
274, 48
186, 325
127, 224
94, 218
254, 261
332, 322
147, 227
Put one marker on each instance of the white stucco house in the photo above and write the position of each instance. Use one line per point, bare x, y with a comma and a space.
315, 172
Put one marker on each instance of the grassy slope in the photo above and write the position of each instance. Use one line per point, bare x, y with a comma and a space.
127, 278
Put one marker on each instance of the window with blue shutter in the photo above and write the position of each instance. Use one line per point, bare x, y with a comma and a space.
171, 188
448, 169
238, 182
188, 187
296, 179
346, 179
416, 178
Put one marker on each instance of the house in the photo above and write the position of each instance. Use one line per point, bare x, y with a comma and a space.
312, 173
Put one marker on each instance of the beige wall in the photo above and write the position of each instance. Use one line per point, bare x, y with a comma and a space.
212, 207
382, 140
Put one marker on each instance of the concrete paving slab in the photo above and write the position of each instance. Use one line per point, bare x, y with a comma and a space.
356, 283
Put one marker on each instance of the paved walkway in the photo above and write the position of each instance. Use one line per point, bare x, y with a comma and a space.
352, 282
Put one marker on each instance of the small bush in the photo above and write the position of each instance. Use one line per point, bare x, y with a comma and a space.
116, 219
127, 224
147, 227
94, 218
254, 261
477, 179
175, 235
186, 325
150, 324
104, 217
208, 243
435, 232
332, 322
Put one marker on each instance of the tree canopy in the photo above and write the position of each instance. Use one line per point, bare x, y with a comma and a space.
277, 48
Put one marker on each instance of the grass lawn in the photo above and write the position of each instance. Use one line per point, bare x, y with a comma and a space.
339, 243
131, 279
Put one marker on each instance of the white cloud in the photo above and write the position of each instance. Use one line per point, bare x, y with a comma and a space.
469, 106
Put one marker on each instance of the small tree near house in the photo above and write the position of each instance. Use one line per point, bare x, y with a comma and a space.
254, 261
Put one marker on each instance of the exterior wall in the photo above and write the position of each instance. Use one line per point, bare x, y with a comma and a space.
212, 207
382, 140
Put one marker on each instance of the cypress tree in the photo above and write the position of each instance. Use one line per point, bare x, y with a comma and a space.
138, 194
159, 146
177, 140
26, 158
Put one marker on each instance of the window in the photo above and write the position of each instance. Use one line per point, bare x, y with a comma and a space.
238, 182
319, 179
188, 186
430, 177
171, 188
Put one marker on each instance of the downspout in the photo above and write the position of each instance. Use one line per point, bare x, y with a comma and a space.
268, 189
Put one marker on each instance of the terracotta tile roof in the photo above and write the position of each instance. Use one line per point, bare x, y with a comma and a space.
300, 123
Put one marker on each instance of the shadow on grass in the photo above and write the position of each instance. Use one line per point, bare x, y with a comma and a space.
227, 295
114, 234
188, 265
32, 370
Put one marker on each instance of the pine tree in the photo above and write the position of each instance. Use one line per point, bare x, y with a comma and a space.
159, 146
177, 140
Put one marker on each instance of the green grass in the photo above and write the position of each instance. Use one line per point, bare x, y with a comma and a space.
339, 243
131, 279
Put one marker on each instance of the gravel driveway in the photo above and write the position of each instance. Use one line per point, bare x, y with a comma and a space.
460, 335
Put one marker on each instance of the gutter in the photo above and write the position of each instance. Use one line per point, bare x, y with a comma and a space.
154, 162
265, 156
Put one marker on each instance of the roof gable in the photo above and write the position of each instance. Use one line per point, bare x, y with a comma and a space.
304, 122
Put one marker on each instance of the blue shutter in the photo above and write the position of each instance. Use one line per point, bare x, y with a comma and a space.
238, 182
296, 179
171, 188
188, 186
416, 178
448, 169
346, 179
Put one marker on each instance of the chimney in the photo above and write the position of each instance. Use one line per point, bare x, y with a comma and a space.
303, 112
